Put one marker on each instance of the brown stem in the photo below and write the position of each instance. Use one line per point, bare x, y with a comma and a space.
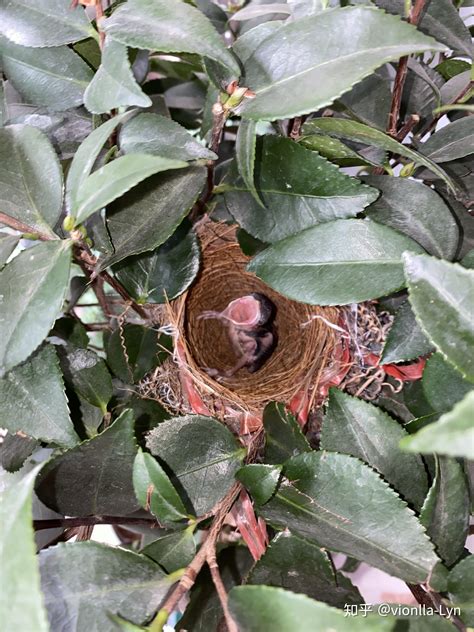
11, 222
87, 521
99, 14
220, 589
295, 127
433, 600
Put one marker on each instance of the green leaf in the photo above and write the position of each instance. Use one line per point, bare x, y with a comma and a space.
161, 136
369, 101
299, 565
261, 480
449, 68
88, 375
445, 513
405, 340
355, 427
53, 77
245, 150
14, 450
22, 601
8, 243
283, 435
362, 39
169, 26
334, 150
417, 211
299, 189
359, 133
36, 388
114, 85
321, 502
124, 625
451, 142
442, 297
453, 434
162, 202
443, 385
336, 263
202, 455
461, 588
173, 551
34, 285
257, 608
142, 347
120, 581
154, 490
30, 178
116, 178
48, 23
98, 470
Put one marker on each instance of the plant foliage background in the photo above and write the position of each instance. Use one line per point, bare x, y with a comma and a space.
123, 124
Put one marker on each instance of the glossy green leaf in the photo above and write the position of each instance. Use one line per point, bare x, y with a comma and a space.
298, 188
245, 149
362, 39
89, 376
453, 434
114, 85
461, 588
121, 581
202, 454
299, 565
417, 211
34, 285
98, 470
405, 340
320, 502
161, 136
442, 297
170, 26
359, 133
339, 262
355, 427
154, 490
52, 77
258, 608
164, 273
261, 480
48, 23
172, 551
451, 142
334, 150
442, 384
36, 388
445, 513
31, 179
140, 355
283, 435
8, 243
116, 178
22, 601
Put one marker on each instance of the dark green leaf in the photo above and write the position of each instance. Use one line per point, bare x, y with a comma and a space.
164, 273
22, 601
261, 480
201, 453
158, 135
30, 178
89, 376
140, 355
48, 23
334, 150
362, 39
461, 588
355, 427
162, 202
168, 26
453, 434
299, 189
36, 389
258, 608
302, 567
283, 435
245, 149
405, 340
442, 296
449, 68
172, 551
445, 513
116, 178
369, 101
443, 385
70, 330
53, 77
114, 85
416, 210
339, 262
320, 502
154, 490
14, 450
8, 244
452, 141
121, 582
98, 470
34, 285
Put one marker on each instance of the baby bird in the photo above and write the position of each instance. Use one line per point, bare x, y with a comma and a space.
249, 322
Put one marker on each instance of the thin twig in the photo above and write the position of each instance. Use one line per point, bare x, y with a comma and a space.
11, 222
220, 589
99, 14
433, 600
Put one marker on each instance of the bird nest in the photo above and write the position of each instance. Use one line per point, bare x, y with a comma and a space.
307, 338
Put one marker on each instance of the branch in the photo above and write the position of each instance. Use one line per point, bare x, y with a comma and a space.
11, 222
87, 521
221, 591
434, 601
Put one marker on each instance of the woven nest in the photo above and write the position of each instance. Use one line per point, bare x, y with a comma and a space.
306, 340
